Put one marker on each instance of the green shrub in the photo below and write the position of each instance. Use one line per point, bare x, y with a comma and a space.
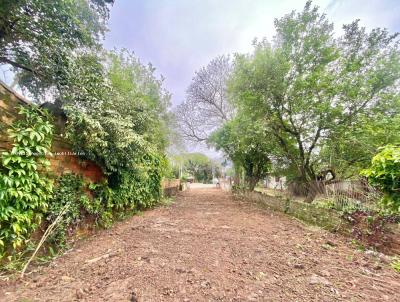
69, 190
139, 187
384, 174
396, 265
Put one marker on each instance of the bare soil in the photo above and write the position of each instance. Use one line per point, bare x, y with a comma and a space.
207, 246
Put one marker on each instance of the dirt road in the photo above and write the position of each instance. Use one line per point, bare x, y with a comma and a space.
208, 247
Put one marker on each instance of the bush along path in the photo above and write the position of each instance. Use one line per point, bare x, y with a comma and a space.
206, 246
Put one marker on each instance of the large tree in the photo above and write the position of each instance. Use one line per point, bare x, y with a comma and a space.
206, 106
116, 107
246, 143
308, 85
38, 38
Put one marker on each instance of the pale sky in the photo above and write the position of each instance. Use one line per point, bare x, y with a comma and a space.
180, 36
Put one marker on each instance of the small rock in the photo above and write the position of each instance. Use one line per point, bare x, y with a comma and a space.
252, 297
331, 243
384, 258
260, 276
325, 273
299, 266
205, 284
168, 291
67, 278
371, 253
327, 246
315, 279
180, 270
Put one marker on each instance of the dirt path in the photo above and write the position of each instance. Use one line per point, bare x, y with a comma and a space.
209, 247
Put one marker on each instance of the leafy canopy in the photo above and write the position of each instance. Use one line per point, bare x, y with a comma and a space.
38, 38
247, 145
117, 115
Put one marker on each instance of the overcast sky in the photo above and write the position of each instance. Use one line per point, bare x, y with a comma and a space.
180, 36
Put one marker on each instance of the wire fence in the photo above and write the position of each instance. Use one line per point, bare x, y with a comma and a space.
344, 195
351, 195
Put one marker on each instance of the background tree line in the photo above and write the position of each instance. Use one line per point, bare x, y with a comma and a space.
196, 167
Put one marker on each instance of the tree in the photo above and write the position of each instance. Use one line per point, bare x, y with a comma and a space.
38, 38
206, 107
117, 115
247, 145
309, 85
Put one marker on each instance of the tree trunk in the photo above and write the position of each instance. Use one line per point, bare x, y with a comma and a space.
252, 182
310, 196
313, 189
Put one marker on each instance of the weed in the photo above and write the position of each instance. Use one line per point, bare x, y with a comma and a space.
396, 265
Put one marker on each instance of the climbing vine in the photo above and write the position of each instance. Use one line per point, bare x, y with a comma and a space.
24, 186
69, 193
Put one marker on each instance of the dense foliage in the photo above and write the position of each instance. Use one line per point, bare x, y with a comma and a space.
117, 115
319, 99
39, 38
384, 173
68, 194
247, 144
24, 189
70, 199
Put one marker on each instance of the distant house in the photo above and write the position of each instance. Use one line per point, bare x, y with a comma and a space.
275, 182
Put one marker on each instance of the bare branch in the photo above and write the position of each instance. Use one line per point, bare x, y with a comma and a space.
206, 107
